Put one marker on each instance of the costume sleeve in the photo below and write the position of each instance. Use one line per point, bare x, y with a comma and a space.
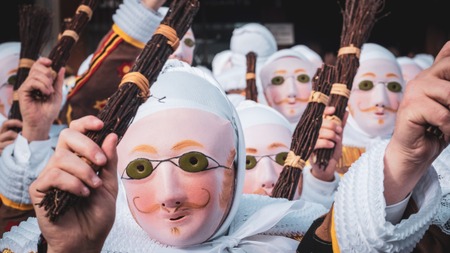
20, 164
359, 215
136, 21
318, 191
22, 238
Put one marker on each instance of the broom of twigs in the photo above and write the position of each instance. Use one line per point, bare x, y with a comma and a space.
251, 93
306, 134
34, 30
359, 17
133, 90
60, 53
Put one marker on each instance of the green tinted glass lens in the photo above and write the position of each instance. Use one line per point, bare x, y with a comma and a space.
303, 78
189, 42
193, 162
394, 86
12, 79
280, 158
139, 168
250, 162
365, 85
278, 80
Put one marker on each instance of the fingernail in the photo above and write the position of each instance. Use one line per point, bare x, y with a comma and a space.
96, 180
85, 191
100, 158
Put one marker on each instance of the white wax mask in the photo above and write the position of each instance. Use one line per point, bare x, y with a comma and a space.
288, 83
185, 51
375, 97
9, 63
177, 169
266, 147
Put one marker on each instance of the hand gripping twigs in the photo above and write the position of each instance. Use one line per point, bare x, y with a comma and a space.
61, 51
306, 134
133, 90
34, 30
359, 17
251, 92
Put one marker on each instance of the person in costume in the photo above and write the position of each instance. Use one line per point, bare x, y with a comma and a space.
229, 67
113, 58
268, 137
286, 78
376, 94
177, 192
395, 197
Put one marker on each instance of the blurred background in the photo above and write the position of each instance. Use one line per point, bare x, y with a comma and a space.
406, 27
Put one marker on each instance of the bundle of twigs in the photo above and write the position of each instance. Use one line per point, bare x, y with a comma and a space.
34, 30
133, 89
359, 17
61, 51
251, 92
306, 134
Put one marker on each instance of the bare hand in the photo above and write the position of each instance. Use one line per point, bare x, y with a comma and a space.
38, 116
330, 136
412, 149
7, 136
84, 227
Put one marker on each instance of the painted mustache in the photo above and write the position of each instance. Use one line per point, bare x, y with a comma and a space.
377, 108
289, 100
183, 206
261, 191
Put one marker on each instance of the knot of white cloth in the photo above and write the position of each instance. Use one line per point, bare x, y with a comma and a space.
229, 243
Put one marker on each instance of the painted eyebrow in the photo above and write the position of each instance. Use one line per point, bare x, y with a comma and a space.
371, 74
277, 145
251, 150
186, 143
391, 75
144, 148
280, 72
299, 70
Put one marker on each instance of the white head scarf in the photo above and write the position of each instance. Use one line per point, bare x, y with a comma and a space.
253, 114
424, 60
312, 55
252, 37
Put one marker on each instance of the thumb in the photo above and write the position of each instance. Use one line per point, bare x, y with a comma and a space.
444, 52
109, 172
